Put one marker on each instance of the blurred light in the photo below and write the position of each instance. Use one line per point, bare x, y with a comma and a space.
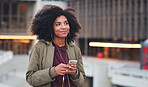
17, 37
22, 41
118, 45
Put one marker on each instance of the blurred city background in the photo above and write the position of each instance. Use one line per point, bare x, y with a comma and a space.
113, 40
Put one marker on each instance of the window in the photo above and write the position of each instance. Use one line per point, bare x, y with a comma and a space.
54, 0
0, 14
13, 17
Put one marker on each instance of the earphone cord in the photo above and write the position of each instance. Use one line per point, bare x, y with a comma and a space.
68, 81
63, 75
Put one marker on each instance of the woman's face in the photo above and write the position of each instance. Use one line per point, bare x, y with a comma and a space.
61, 27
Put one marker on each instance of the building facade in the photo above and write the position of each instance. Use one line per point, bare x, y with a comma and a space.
15, 18
119, 21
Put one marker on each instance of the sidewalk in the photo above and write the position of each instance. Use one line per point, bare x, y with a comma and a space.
12, 72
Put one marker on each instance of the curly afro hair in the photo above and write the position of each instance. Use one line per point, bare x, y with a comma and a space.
42, 23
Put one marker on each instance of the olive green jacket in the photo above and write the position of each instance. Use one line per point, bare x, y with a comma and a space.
40, 71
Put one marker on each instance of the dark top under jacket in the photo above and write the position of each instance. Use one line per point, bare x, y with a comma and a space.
56, 61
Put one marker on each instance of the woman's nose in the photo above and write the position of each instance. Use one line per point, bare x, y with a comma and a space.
63, 26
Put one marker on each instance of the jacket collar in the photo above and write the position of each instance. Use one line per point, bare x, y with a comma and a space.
50, 43
46, 42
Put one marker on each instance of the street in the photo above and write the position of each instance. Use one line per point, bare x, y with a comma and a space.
12, 72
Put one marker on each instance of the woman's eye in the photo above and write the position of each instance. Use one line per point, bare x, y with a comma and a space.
57, 24
66, 23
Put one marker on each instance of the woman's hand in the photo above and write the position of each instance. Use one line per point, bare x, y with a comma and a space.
72, 69
62, 69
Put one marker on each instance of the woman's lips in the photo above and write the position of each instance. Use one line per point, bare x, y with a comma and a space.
64, 32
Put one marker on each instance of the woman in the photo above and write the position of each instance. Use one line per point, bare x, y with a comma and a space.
48, 61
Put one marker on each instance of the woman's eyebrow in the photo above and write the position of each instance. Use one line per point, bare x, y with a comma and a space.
57, 22
60, 22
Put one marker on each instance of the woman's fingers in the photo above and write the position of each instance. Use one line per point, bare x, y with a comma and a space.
61, 69
72, 66
72, 69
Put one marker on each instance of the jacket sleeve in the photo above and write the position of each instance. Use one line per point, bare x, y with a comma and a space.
35, 76
79, 77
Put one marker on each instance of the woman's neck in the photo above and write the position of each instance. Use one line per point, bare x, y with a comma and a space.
59, 41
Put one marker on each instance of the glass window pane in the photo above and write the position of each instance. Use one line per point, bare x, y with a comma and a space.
14, 22
23, 13
14, 8
6, 9
0, 9
0, 14
0, 23
5, 23
23, 9
22, 23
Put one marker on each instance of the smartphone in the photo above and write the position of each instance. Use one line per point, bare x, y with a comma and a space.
72, 61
